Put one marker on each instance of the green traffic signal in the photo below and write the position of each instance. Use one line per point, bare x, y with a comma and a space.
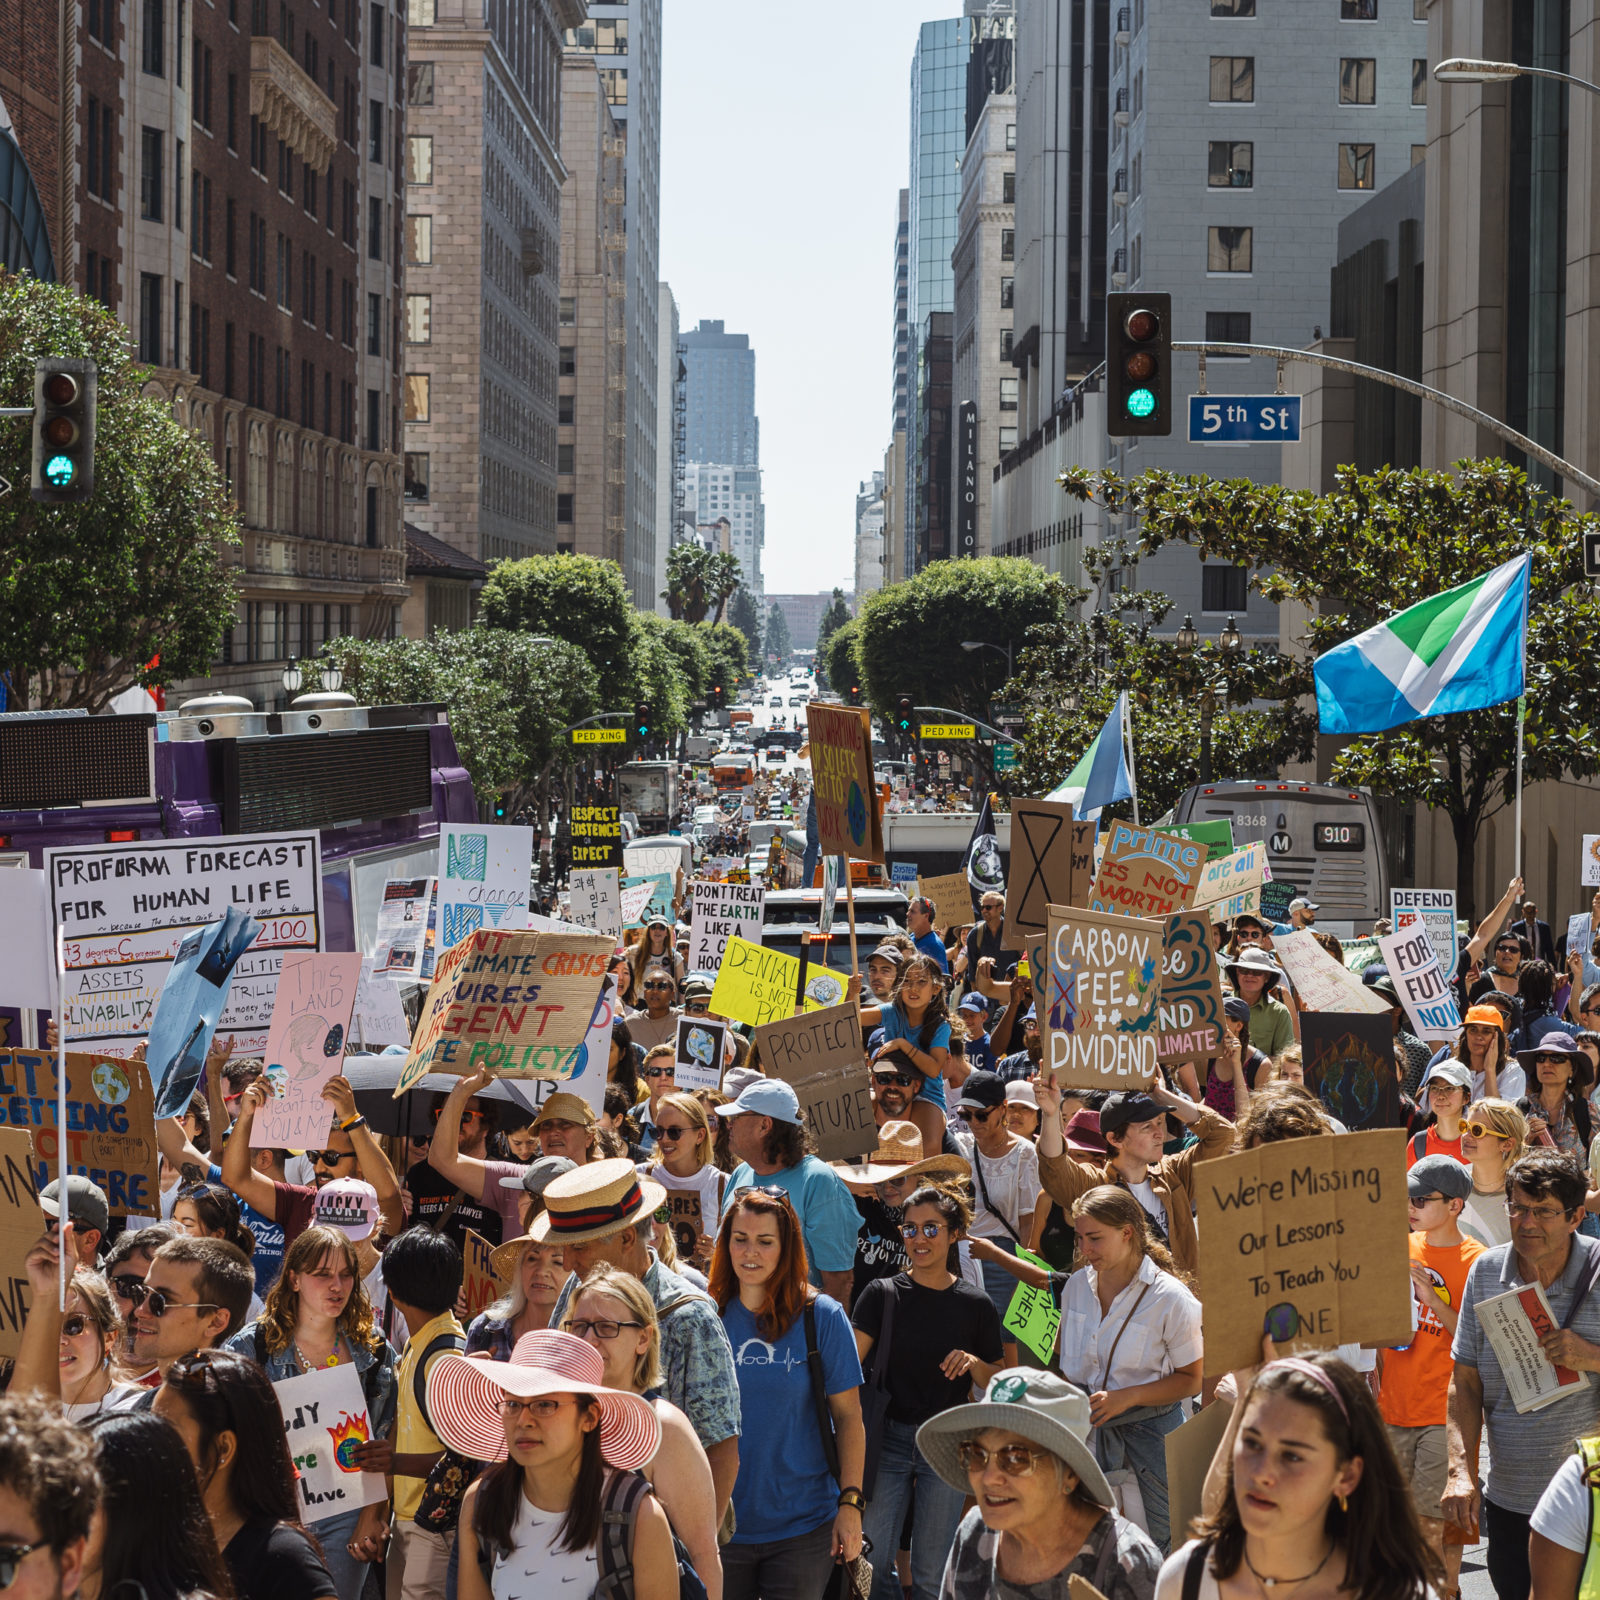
1141, 404
59, 471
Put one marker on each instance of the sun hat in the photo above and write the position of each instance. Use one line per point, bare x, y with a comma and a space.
1439, 1174
1020, 1092
564, 1106
538, 1177
464, 1398
1555, 1043
1082, 1133
595, 1201
1040, 1406
348, 1204
1490, 1016
899, 1155
766, 1097
1385, 986
505, 1258
1252, 960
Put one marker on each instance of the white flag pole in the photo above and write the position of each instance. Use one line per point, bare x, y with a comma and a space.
1522, 717
1133, 776
63, 1198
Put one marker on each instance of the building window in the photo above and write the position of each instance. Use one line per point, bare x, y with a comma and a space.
1233, 8
1006, 336
1007, 292
600, 36
419, 158
151, 292
419, 240
1419, 80
416, 472
375, 33
1355, 166
417, 396
1419, 154
1233, 78
285, 288
1228, 327
374, 324
1232, 164
566, 409
564, 508
568, 315
614, 80
568, 366
1223, 589
565, 463
1008, 188
375, 132
1419, 10
1011, 136
419, 83
1358, 10
154, 40
1008, 244
1358, 80
1008, 439
1008, 394
374, 436
374, 228
419, 319
1228, 249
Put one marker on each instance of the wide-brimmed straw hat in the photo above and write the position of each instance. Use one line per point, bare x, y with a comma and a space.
595, 1201
1040, 1406
464, 1398
505, 1259
899, 1155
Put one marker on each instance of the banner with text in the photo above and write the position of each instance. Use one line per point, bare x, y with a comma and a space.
1320, 983
757, 985
596, 836
1104, 988
1146, 873
1190, 1007
1425, 992
484, 872
21, 1223
594, 899
325, 1418
719, 911
402, 928
1435, 909
306, 1047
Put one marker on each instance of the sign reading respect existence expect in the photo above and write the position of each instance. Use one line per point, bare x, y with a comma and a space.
1305, 1240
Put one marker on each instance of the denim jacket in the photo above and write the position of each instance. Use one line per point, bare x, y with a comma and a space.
375, 1368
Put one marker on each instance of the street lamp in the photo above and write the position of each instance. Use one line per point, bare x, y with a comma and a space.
332, 679
1467, 69
1230, 638
292, 677
1188, 638
983, 644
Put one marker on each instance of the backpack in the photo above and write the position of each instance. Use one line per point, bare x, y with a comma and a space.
439, 1509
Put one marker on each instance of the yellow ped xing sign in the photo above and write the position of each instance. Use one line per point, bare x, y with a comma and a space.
599, 735
949, 730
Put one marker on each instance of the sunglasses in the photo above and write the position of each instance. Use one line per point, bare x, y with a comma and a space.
649, 986
70, 1329
12, 1556
127, 1286
674, 1134
662, 1214
1481, 1130
978, 1116
697, 1008
1015, 1460
138, 1293
904, 1079
658, 1072
928, 1230
329, 1158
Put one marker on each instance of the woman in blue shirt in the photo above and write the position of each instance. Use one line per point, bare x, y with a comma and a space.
794, 1520
916, 1036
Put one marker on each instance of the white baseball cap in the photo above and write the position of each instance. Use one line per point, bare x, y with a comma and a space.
348, 1204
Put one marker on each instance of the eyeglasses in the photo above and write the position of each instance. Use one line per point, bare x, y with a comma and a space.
156, 1302
662, 1214
600, 1327
70, 1329
11, 1558
1481, 1130
650, 986
1535, 1213
970, 1115
928, 1230
542, 1408
1425, 1199
771, 1190
1015, 1460
658, 1072
665, 1133
903, 1079
329, 1158
127, 1286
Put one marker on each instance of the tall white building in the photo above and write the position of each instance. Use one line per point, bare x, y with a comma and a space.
713, 490
870, 516
668, 443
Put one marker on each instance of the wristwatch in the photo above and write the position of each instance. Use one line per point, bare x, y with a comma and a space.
853, 1498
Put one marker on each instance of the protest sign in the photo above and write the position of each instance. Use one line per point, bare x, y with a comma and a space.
1349, 1064
1146, 873
1041, 867
700, 1049
306, 1047
687, 1224
1306, 1240
21, 1223
325, 1418
518, 1003
756, 985
1424, 990
1435, 909
1103, 987
594, 899
478, 1283
402, 928
1033, 1317
1216, 834
952, 899
904, 872
1320, 983
1230, 885
1276, 896
1189, 1450
430, 940
822, 1057
1190, 1008
632, 898
1514, 1324
111, 1123
484, 870
126, 908
848, 823
1359, 954
656, 901
27, 978
1591, 859
718, 912
596, 836
380, 1018
830, 893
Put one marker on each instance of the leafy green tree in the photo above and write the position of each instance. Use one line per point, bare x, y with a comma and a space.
657, 673
688, 647
699, 582
744, 615
730, 655
836, 659
835, 617
910, 633
779, 646
572, 597
91, 592
1381, 542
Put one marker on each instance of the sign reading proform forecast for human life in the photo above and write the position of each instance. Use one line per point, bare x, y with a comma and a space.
125, 908
848, 823
1435, 909
1424, 991
484, 869
1102, 1005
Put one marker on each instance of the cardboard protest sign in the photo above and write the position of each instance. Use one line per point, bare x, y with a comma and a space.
1103, 988
756, 985
718, 912
21, 1223
1305, 1240
1041, 867
1350, 1067
1189, 1450
1216, 833
484, 870
655, 902
700, 1046
1033, 1318
1190, 1008
1591, 860
517, 1003
1231, 885
478, 1281
1146, 873
325, 1418
594, 899
402, 928
596, 834
688, 1226
822, 1056
27, 976
111, 1123
848, 823
380, 1018
1435, 911
952, 899
632, 898
126, 908
1424, 990
306, 1047
1320, 983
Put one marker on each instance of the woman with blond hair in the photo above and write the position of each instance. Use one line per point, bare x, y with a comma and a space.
318, 1315
1494, 1134
684, 1165
613, 1311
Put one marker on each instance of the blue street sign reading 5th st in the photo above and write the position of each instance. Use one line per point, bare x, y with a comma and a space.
1244, 419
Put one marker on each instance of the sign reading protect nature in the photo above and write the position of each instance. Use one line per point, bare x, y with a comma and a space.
111, 1123
1103, 989
822, 1057
517, 1003
756, 985
1042, 838
1191, 991
1146, 873
848, 823
1305, 1240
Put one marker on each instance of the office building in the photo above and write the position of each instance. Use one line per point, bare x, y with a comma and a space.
721, 396
625, 41
803, 613
894, 512
869, 535
902, 329
714, 490
669, 440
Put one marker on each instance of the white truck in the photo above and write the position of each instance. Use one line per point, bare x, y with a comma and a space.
650, 789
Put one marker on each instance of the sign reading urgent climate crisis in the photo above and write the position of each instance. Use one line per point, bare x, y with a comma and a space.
596, 834
518, 1003
1146, 873
1306, 1240
1101, 1008
848, 823
1191, 992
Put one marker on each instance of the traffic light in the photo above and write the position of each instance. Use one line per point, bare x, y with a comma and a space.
63, 429
855, 694
1139, 365
904, 714
716, 697
642, 720
500, 808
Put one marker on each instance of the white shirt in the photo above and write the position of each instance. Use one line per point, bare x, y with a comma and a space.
1562, 1514
1147, 1197
536, 1571
1511, 1080
1485, 1218
1150, 1343
119, 1397
1012, 1182
706, 1183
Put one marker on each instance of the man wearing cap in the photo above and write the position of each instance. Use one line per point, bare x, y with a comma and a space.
602, 1212
883, 970
697, 989
919, 924
1254, 976
1133, 1125
1302, 913
767, 1134
89, 1211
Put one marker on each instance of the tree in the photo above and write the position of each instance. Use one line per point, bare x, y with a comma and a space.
836, 659
910, 633
779, 645
92, 592
576, 598
658, 677
730, 658
744, 615
699, 582
1381, 542
688, 647
836, 616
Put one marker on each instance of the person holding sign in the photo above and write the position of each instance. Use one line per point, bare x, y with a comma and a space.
1130, 1336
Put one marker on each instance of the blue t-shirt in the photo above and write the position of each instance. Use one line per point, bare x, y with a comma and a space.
930, 944
829, 1220
267, 1258
980, 1054
895, 1026
784, 1488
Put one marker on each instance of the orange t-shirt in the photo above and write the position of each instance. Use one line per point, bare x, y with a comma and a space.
1433, 1145
1416, 1380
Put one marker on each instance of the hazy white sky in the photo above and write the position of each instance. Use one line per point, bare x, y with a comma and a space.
784, 144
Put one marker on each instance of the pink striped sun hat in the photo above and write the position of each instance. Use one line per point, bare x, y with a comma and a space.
464, 1398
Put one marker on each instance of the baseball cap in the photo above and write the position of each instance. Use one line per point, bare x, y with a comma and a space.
697, 987
538, 1174
86, 1202
1300, 903
1490, 1016
1451, 1072
768, 1097
982, 1091
1020, 1092
1125, 1107
1439, 1174
888, 951
973, 1002
737, 1079
348, 1204
1233, 1006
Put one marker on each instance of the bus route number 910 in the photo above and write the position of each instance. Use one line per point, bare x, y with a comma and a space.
1340, 836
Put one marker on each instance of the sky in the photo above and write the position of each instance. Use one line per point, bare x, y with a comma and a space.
785, 141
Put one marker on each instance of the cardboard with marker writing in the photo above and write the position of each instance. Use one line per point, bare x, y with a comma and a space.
1190, 1008
1146, 873
687, 1224
848, 821
1042, 840
822, 1056
1103, 986
952, 899
479, 1284
21, 1223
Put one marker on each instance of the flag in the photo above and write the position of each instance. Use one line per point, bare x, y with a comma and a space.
1101, 775
982, 858
1460, 651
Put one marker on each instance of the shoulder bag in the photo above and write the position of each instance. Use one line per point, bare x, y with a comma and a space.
852, 1581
